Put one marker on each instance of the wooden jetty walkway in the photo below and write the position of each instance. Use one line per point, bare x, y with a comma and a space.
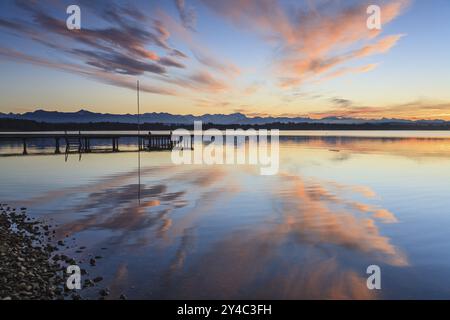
82, 142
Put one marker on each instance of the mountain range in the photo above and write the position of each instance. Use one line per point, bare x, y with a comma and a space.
84, 116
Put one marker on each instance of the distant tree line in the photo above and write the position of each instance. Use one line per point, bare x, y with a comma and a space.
29, 125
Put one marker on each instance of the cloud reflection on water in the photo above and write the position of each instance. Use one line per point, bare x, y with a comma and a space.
312, 238
308, 250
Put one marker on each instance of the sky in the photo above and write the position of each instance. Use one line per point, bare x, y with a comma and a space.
296, 58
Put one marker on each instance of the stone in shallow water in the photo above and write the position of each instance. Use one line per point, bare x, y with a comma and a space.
104, 292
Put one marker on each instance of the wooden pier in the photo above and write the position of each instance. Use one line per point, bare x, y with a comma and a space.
82, 142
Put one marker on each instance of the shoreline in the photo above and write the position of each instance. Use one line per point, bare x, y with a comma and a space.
17, 125
26, 270
31, 268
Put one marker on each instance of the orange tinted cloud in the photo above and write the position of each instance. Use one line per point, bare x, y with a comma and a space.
385, 215
310, 43
413, 111
317, 50
348, 70
381, 46
201, 81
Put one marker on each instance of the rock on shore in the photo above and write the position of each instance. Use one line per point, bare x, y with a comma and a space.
26, 271
32, 267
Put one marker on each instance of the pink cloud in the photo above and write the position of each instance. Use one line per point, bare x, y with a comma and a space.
310, 42
104, 77
201, 80
414, 111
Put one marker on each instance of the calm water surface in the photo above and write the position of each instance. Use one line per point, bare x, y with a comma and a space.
338, 205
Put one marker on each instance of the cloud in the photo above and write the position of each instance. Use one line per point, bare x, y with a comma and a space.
202, 53
111, 53
308, 43
382, 46
207, 59
316, 64
415, 110
253, 88
348, 70
170, 62
341, 102
178, 53
126, 39
206, 80
385, 216
311, 42
99, 75
117, 63
205, 103
127, 44
201, 80
187, 15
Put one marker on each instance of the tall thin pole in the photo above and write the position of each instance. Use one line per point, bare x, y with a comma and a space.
138, 109
139, 145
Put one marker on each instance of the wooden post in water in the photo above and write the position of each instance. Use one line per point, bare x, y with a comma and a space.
57, 150
115, 144
25, 146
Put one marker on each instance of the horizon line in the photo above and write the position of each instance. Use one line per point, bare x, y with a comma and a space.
249, 116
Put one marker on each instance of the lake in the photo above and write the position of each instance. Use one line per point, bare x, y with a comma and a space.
342, 201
